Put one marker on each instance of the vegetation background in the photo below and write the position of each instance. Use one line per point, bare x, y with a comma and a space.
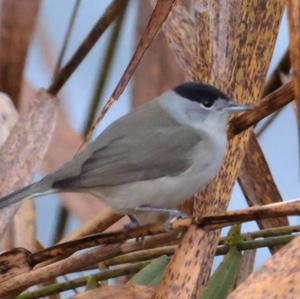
57, 217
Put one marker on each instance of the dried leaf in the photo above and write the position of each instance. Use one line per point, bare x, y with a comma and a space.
17, 24
236, 71
294, 19
259, 187
8, 118
25, 148
62, 148
63, 145
182, 39
275, 80
118, 292
278, 278
24, 226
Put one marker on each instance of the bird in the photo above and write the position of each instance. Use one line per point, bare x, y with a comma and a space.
157, 155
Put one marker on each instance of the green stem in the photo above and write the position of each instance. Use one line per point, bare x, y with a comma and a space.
82, 281
127, 270
254, 244
148, 254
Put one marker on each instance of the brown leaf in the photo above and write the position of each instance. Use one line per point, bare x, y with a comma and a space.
24, 227
236, 71
17, 24
278, 278
275, 80
294, 30
259, 187
63, 146
25, 148
8, 119
22, 230
8, 116
182, 39
117, 292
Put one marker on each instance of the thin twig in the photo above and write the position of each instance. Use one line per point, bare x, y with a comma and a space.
207, 222
146, 254
286, 208
82, 281
269, 232
272, 84
106, 19
267, 123
152, 253
104, 70
269, 104
66, 38
221, 250
77, 262
70, 247
274, 81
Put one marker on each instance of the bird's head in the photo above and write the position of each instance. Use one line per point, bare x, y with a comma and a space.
200, 104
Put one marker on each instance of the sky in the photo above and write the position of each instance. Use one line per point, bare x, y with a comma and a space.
279, 142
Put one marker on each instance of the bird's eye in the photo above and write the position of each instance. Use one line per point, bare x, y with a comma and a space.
206, 104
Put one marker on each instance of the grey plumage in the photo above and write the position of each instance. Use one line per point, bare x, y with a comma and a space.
115, 159
159, 154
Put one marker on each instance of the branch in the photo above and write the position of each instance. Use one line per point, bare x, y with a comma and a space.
207, 223
67, 37
82, 281
286, 208
106, 19
140, 257
70, 247
269, 104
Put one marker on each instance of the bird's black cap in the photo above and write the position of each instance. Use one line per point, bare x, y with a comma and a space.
199, 92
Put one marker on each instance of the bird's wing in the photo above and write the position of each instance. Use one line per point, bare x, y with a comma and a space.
146, 155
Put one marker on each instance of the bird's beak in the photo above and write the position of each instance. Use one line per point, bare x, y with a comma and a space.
237, 107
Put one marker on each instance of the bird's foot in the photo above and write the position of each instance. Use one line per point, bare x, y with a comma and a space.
173, 215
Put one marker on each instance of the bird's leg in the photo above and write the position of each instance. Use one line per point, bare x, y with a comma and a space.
173, 214
134, 222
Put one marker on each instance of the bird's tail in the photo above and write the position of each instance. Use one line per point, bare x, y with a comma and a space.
32, 190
